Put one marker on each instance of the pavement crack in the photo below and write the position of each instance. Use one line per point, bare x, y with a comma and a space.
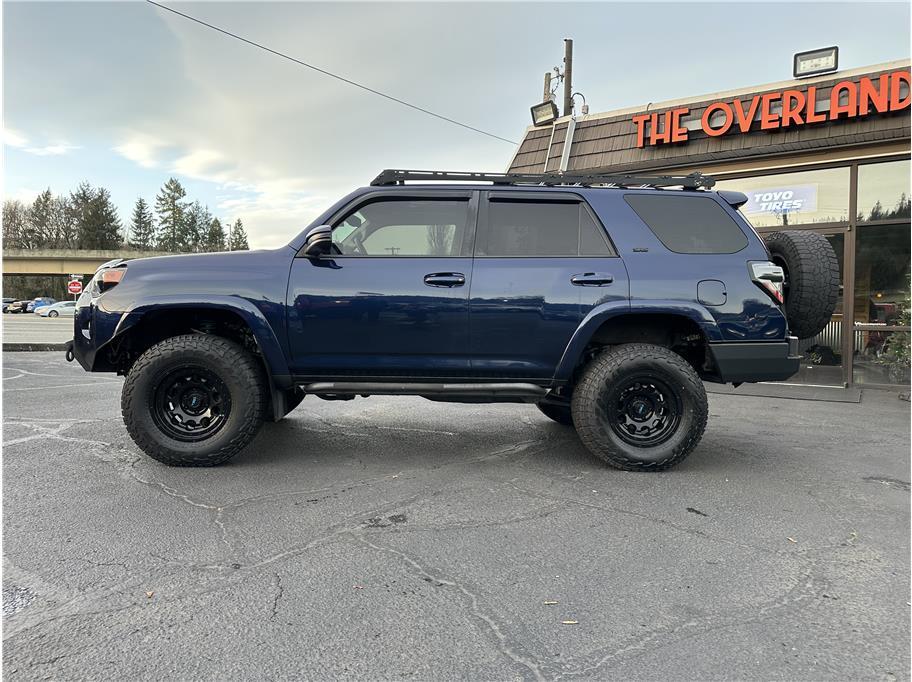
646, 517
169, 491
805, 587
509, 648
51, 430
277, 597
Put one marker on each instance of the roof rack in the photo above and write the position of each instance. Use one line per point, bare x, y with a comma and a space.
693, 181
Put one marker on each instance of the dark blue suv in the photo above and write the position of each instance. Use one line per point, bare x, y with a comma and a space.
606, 300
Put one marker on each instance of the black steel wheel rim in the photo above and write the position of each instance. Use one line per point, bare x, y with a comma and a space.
191, 404
644, 410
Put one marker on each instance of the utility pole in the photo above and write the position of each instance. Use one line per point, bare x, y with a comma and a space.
568, 76
546, 95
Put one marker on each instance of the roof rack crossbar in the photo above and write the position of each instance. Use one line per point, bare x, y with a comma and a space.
693, 181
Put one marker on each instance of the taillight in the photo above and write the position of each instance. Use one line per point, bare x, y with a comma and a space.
108, 279
769, 277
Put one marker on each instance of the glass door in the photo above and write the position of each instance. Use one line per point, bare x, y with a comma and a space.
824, 362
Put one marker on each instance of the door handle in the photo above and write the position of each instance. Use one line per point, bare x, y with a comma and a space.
592, 279
444, 279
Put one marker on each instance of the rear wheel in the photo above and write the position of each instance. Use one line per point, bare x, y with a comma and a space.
559, 413
194, 400
640, 407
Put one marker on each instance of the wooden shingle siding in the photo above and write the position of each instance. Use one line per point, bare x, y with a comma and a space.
608, 143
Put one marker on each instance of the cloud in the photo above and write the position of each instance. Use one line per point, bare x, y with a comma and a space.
203, 164
274, 204
18, 140
57, 149
142, 149
14, 138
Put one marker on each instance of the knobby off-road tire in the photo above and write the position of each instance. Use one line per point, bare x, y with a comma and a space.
640, 407
559, 413
811, 279
194, 400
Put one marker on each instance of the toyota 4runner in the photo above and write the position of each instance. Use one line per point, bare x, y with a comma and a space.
607, 301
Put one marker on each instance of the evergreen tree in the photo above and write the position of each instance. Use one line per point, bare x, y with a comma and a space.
63, 224
38, 226
171, 212
80, 202
101, 227
142, 229
215, 236
198, 219
237, 239
15, 215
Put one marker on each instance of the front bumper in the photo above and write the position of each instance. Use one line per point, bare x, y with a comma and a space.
757, 361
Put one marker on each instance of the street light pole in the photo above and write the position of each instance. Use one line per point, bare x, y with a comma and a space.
568, 76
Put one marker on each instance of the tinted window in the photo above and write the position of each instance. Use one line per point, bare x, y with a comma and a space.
430, 228
547, 228
592, 236
689, 224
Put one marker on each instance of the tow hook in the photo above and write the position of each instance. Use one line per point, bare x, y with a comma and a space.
69, 352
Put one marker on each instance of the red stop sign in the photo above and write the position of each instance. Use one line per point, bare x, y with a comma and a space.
75, 287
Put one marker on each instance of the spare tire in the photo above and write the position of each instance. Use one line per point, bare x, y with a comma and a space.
811, 279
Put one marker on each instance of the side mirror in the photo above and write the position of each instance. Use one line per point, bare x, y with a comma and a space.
318, 241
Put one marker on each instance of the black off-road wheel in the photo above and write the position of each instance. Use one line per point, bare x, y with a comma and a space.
194, 400
640, 407
811, 279
559, 413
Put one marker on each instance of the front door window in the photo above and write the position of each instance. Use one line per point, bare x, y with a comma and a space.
432, 228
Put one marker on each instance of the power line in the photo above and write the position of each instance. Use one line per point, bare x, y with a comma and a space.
329, 73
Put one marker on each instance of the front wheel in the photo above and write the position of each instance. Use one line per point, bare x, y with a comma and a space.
194, 400
53, 313
640, 407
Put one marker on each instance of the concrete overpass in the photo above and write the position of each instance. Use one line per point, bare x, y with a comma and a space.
64, 261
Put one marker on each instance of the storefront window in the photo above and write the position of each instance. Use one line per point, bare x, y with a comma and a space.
800, 198
882, 300
823, 362
883, 191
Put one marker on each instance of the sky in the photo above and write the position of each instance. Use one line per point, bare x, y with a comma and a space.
125, 95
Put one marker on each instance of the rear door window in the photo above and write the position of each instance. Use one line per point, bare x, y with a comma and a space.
688, 224
523, 228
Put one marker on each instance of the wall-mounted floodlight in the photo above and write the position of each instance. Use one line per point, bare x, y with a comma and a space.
544, 113
816, 62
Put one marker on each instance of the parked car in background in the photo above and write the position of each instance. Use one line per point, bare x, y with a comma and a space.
39, 302
17, 307
7, 302
64, 308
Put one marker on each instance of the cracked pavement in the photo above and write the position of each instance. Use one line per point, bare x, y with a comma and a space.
385, 538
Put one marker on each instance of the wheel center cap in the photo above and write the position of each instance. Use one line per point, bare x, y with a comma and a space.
194, 401
640, 409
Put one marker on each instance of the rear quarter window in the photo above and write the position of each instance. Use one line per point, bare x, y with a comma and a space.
688, 224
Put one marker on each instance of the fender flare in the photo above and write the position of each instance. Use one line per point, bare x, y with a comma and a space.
600, 314
273, 355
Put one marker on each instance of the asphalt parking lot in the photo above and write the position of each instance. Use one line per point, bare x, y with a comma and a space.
395, 537
28, 328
